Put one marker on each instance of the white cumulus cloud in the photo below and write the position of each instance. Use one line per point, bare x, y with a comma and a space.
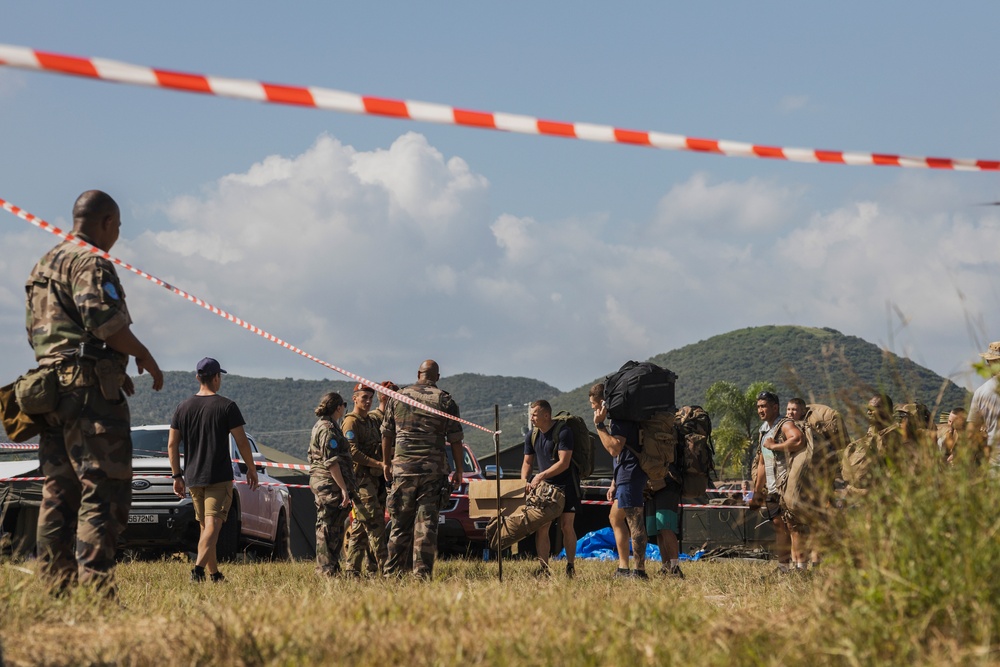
376, 260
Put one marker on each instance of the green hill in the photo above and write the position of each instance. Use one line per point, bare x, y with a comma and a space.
820, 365
279, 413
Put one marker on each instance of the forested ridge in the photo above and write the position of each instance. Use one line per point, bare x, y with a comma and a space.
821, 365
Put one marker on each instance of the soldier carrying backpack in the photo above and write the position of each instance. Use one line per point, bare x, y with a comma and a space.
553, 445
627, 516
561, 447
643, 394
807, 491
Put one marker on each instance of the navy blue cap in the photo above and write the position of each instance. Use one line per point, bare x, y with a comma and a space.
209, 366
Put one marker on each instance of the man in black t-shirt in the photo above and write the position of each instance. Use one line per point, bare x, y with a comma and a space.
204, 423
551, 447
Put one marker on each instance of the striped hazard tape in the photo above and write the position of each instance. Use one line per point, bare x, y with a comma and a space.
337, 100
454, 495
608, 503
52, 229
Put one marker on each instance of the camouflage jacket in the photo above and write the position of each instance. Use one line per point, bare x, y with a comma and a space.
73, 296
421, 437
365, 440
327, 445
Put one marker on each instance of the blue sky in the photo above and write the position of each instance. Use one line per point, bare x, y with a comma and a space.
375, 243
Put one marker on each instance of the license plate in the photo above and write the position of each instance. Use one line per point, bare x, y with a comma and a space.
143, 518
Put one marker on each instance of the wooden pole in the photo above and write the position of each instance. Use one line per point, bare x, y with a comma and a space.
496, 450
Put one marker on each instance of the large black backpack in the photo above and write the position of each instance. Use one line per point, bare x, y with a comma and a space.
638, 391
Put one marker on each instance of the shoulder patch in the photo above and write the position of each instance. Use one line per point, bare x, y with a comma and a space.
111, 290
349, 435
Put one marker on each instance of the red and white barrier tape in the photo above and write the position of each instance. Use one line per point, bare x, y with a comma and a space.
454, 495
287, 466
16, 447
42, 479
52, 229
730, 492
337, 100
608, 502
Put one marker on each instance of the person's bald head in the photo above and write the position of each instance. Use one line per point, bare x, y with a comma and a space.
93, 205
97, 215
429, 371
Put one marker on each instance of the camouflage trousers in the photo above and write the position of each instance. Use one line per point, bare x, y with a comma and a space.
414, 505
331, 520
86, 458
368, 530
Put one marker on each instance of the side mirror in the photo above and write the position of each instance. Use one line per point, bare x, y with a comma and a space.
493, 472
259, 459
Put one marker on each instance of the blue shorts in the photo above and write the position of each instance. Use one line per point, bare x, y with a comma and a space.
629, 495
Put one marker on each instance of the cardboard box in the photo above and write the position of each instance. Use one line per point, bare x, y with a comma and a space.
483, 497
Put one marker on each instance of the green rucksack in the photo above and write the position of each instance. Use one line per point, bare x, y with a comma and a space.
583, 442
657, 447
808, 488
697, 459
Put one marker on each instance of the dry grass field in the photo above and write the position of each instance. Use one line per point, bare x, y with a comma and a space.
910, 578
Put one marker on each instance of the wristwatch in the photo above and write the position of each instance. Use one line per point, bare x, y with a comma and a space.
601, 427
179, 475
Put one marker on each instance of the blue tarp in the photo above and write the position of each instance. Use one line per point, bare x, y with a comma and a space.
600, 545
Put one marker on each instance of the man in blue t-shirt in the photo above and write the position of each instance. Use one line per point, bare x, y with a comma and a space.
628, 520
204, 423
551, 447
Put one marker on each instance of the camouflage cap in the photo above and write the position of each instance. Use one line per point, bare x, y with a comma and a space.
993, 353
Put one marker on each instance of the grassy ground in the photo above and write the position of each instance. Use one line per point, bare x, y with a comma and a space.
909, 578
282, 614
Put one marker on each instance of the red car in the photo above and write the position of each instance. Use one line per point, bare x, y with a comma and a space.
457, 533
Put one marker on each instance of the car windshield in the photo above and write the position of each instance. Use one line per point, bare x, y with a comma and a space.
149, 443
153, 444
466, 460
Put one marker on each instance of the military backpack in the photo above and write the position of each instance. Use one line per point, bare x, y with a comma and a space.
808, 487
583, 443
697, 453
658, 447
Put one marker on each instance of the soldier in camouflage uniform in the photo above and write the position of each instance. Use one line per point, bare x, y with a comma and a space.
371, 562
379, 413
331, 478
79, 326
414, 441
368, 530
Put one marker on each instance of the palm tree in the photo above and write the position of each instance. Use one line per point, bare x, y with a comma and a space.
734, 415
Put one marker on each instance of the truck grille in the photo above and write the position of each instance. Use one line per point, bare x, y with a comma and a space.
160, 490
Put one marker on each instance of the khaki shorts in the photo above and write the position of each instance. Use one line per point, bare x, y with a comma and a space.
212, 500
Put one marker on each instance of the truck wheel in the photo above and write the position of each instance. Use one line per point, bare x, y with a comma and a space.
282, 540
229, 537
